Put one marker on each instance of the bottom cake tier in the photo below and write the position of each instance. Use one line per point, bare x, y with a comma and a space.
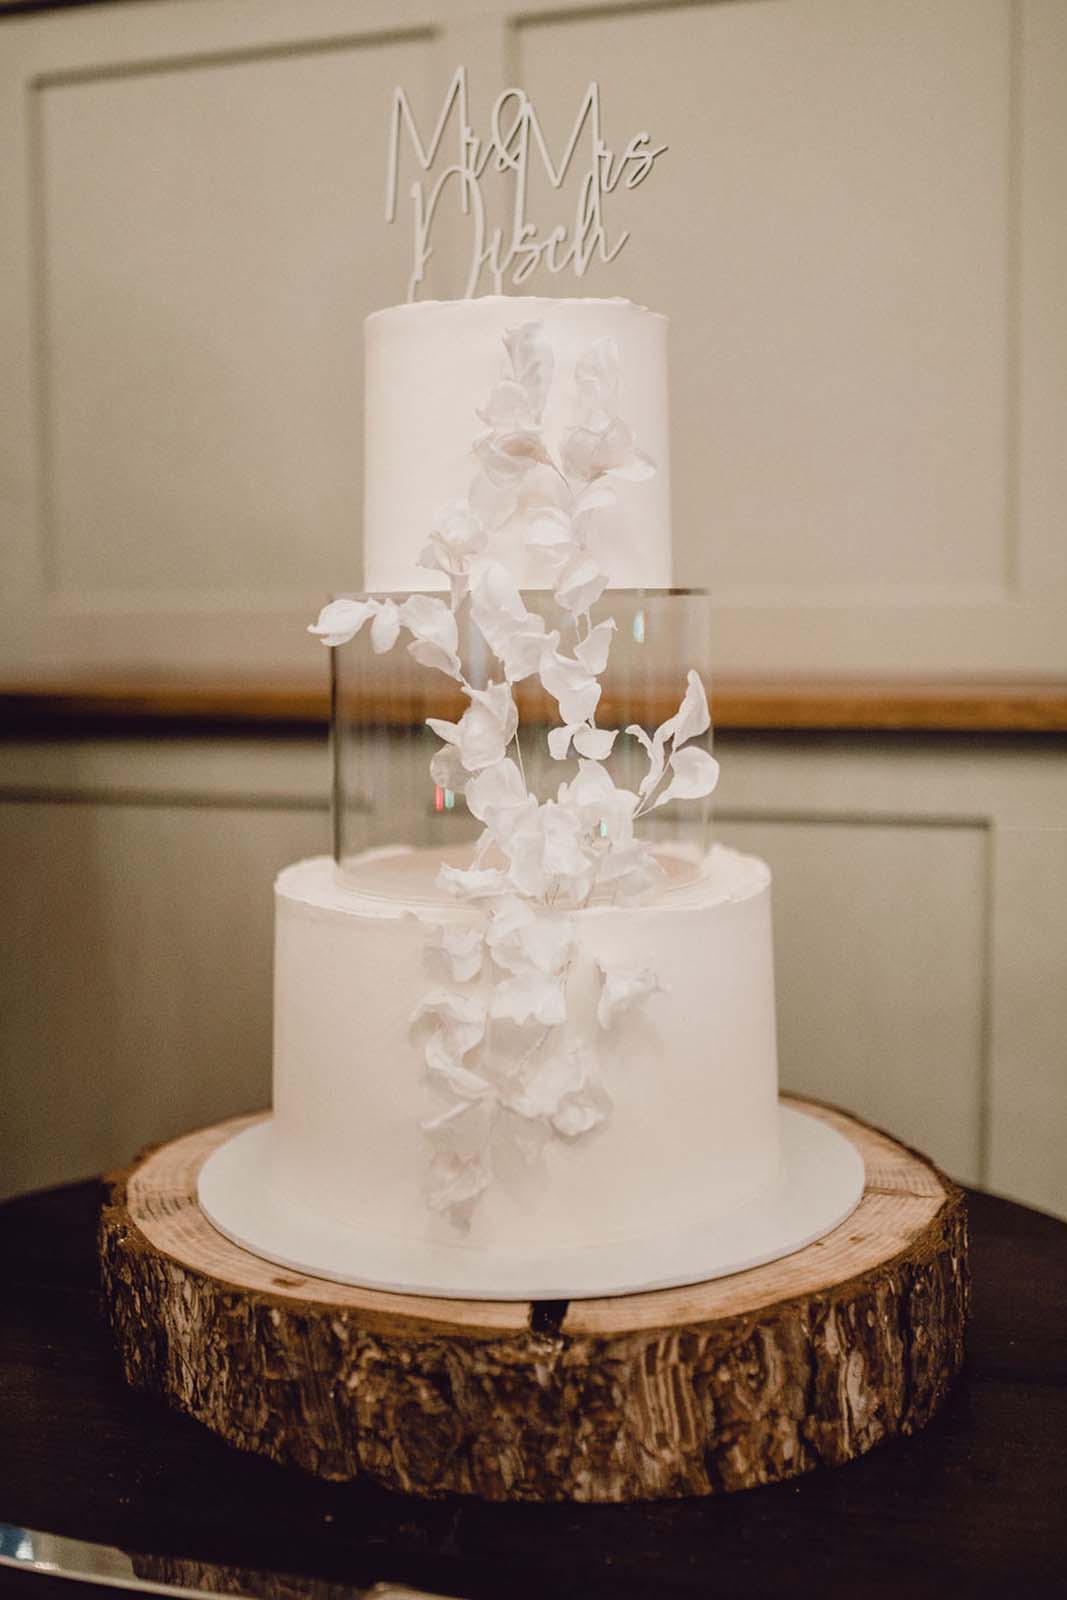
691, 1131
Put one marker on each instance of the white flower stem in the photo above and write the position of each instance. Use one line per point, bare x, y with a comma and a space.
518, 756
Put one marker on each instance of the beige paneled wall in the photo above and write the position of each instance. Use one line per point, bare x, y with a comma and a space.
205, 282
829, 236
859, 232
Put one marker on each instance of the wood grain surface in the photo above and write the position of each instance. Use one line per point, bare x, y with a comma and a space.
804, 1362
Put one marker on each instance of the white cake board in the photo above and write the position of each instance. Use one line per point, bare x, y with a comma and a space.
820, 1183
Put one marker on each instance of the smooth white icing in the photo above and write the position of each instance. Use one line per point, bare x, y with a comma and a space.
692, 1072
430, 365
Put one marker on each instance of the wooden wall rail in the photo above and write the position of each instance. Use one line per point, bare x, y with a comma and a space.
45, 707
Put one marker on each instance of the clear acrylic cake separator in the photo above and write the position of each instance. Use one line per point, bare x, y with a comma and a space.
383, 793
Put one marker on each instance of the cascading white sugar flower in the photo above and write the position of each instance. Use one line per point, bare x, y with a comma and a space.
499, 1043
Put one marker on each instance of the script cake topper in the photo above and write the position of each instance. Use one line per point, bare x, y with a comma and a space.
515, 139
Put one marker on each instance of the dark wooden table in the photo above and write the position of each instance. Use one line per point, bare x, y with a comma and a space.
976, 1505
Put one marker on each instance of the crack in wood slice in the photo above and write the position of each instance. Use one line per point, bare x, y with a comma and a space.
805, 1361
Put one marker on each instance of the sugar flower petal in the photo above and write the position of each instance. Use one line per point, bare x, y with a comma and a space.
593, 650
385, 627
515, 635
464, 1014
520, 938
447, 769
457, 536
570, 683
456, 1180
604, 810
580, 585
695, 775
471, 883
622, 987
341, 620
692, 717
596, 375
436, 636
654, 748
495, 789
563, 1091
595, 742
463, 949
507, 407
532, 363
559, 740
506, 456
485, 729
529, 997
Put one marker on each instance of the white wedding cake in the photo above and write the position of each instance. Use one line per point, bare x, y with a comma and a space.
562, 1039
525, 1048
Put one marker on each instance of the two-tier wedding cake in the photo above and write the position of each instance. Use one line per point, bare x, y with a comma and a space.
543, 1063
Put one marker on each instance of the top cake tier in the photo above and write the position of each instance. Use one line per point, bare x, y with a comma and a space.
430, 367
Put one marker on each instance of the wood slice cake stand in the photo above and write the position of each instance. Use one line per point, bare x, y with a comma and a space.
808, 1361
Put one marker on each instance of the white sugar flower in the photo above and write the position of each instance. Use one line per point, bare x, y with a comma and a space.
654, 748
493, 504
563, 1090
520, 938
622, 987
593, 650
507, 408
485, 729
456, 1180
695, 775
628, 869
515, 635
596, 375
497, 796
570, 683
436, 636
463, 1015
590, 452
605, 812
549, 529
447, 769
385, 627
472, 883
532, 364
692, 717
461, 1023
580, 585
690, 720
596, 743
602, 443
600, 495
456, 537
341, 620
463, 949
546, 854
529, 996
507, 456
